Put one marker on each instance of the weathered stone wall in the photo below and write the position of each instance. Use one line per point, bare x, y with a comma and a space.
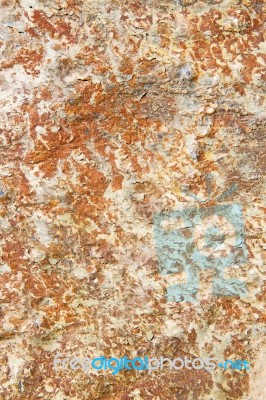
113, 112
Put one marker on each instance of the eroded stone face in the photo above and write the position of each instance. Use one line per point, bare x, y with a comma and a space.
111, 113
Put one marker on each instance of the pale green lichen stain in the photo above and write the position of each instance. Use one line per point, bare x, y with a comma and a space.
207, 238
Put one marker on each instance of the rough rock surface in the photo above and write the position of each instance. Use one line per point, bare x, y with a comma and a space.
109, 109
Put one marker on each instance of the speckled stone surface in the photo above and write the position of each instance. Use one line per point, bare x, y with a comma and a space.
109, 109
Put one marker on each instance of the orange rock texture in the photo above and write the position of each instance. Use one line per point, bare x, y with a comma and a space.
113, 111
